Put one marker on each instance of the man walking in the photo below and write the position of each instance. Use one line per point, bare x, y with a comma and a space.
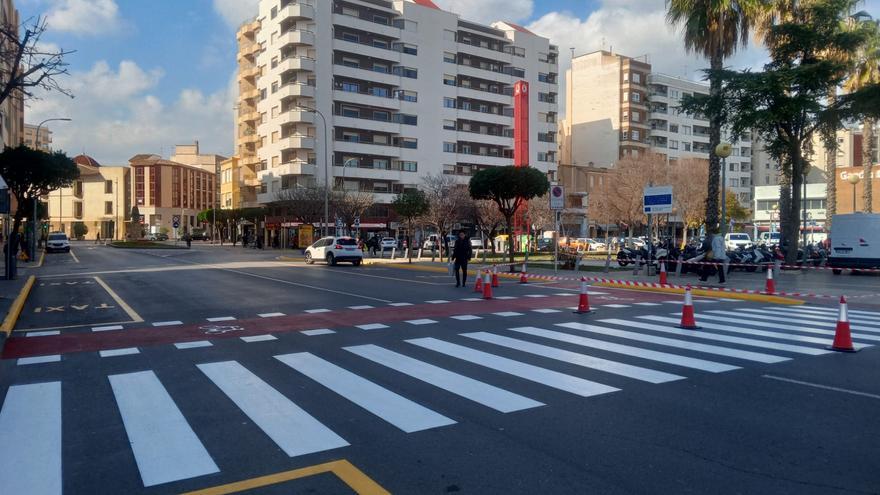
718, 253
461, 254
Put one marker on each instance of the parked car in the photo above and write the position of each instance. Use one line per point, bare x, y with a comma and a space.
477, 243
544, 244
736, 240
594, 245
335, 249
156, 237
387, 243
199, 235
58, 241
769, 238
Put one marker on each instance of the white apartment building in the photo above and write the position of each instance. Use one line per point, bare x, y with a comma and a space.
404, 89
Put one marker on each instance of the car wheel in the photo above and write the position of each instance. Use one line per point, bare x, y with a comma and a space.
356, 263
309, 259
331, 260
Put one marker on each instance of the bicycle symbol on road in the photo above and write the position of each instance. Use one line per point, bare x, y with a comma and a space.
220, 329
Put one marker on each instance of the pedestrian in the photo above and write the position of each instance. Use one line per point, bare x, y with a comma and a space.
461, 254
188, 238
244, 240
716, 253
98, 238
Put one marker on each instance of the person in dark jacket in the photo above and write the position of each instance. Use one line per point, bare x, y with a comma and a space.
461, 254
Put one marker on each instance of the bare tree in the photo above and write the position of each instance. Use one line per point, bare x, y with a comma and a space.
540, 215
351, 205
689, 176
26, 64
600, 200
447, 200
488, 220
303, 204
631, 175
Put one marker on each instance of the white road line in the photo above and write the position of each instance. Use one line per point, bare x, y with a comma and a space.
807, 320
504, 298
702, 334
437, 301
535, 295
288, 425
613, 367
466, 317
30, 439
546, 310
259, 338
389, 406
164, 445
824, 387
43, 334
681, 344
544, 376
565, 294
52, 358
749, 331
615, 305
833, 310
647, 304
705, 301
167, 323
371, 326
316, 311
663, 357
592, 293
270, 315
852, 317
119, 352
107, 328
673, 302
364, 306
472, 299
401, 304
317, 331
221, 318
423, 321
507, 313
193, 345
779, 326
474, 390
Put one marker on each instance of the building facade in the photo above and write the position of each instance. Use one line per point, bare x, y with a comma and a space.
164, 189
402, 90
765, 209
239, 181
43, 142
100, 199
189, 154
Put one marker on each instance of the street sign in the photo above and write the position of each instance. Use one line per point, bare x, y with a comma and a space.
175, 221
557, 198
357, 223
658, 199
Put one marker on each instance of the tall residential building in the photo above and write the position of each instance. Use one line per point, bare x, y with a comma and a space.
32, 140
616, 106
239, 182
188, 154
403, 88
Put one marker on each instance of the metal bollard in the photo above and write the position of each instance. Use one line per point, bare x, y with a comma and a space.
608, 261
777, 266
678, 266
636, 265
420, 254
406, 255
393, 252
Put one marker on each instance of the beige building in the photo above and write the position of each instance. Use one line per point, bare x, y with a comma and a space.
164, 189
99, 199
188, 154
43, 142
238, 185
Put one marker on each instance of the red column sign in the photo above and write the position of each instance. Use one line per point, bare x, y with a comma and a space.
521, 124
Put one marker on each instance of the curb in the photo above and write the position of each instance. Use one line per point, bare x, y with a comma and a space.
15, 309
764, 298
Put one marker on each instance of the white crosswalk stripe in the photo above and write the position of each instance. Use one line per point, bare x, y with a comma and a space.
662, 357
608, 366
393, 408
288, 425
702, 334
833, 310
475, 390
30, 439
747, 331
852, 317
681, 344
550, 378
743, 320
805, 319
164, 445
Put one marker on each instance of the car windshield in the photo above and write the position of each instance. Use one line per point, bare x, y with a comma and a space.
739, 237
57, 237
388, 239
346, 241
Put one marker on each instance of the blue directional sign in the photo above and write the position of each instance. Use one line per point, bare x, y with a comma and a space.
175, 221
658, 199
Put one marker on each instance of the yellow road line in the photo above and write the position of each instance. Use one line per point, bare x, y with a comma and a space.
136, 318
75, 259
344, 470
42, 257
764, 298
17, 305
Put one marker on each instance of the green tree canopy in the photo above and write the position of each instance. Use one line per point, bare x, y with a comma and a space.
410, 205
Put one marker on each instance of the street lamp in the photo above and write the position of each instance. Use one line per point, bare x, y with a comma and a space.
33, 243
723, 150
854, 179
326, 166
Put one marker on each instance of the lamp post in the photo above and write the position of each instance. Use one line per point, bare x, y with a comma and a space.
33, 243
326, 167
854, 179
723, 150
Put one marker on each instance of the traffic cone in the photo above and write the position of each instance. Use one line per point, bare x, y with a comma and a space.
522, 275
584, 300
495, 276
771, 284
487, 285
478, 286
662, 272
842, 337
687, 312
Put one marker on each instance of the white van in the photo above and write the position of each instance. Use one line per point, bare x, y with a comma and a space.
855, 241
769, 238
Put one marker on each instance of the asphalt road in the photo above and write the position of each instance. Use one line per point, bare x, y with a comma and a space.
173, 371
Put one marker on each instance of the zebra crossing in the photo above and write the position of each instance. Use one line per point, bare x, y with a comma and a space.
581, 358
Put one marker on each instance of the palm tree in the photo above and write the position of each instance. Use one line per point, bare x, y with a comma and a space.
866, 71
714, 29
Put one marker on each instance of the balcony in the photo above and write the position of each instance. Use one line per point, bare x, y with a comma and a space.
249, 139
367, 124
248, 71
248, 49
296, 64
366, 148
249, 160
297, 11
496, 161
358, 23
298, 116
296, 37
292, 90
297, 142
295, 167
248, 116
249, 95
365, 50
477, 94
251, 181
366, 99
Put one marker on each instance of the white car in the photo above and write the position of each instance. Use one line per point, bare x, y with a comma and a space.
335, 249
387, 243
57, 241
735, 240
595, 245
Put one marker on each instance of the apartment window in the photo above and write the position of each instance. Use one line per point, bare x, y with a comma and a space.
449, 125
673, 127
381, 164
175, 187
626, 96
624, 135
353, 112
636, 117
409, 166
449, 102
626, 76
732, 167
351, 87
449, 147
380, 92
402, 118
625, 115
273, 13
686, 129
381, 115
381, 44
406, 48
108, 207
406, 72
766, 179
636, 78
673, 144
77, 209
543, 77
448, 80
351, 137
351, 37
108, 187
406, 95
449, 57
380, 19
636, 97
635, 135
377, 67
687, 146
350, 62
408, 143
766, 166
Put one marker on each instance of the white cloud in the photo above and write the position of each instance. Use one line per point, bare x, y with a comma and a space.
234, 12
84, 17
116, 115
487, 11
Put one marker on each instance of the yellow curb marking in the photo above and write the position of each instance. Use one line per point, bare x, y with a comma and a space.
344, 470
42, 257
17, 305
708, 293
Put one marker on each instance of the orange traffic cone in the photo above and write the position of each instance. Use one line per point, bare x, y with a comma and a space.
487, 285
662, 272
522, 275
478, 286
584, 300
688, 322
495, 276
842, 337
771, 284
